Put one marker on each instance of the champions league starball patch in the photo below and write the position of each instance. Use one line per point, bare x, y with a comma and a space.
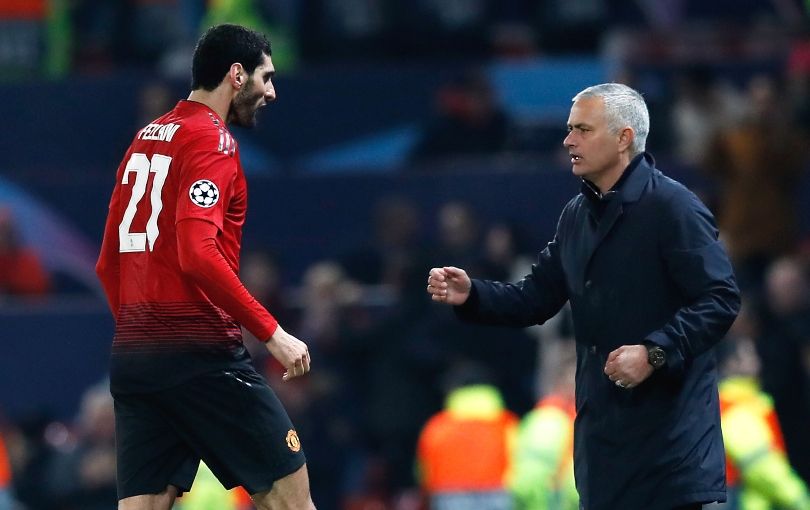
204, 193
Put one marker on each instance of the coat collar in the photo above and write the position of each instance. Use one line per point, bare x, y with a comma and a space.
630, 184
610, 206
635, 183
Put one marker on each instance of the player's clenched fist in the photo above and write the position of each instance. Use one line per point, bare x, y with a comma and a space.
290, 352
449, 285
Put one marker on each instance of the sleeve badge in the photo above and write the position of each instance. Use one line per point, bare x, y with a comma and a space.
292, 441
204, 193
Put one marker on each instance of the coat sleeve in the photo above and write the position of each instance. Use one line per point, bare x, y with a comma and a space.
700, 268
533, 300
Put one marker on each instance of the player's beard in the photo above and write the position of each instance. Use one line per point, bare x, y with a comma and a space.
244, 107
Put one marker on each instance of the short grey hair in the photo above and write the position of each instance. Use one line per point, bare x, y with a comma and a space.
624, 107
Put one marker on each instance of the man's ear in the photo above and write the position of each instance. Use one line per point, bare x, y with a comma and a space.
626, 137
237, 75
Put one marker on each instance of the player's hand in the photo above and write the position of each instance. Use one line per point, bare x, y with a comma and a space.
628, 367
290, 352
449, 285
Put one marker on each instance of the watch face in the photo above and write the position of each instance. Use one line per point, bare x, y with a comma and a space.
656, 357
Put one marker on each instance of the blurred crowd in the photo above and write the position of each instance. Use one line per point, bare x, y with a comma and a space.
386, 361
55, 37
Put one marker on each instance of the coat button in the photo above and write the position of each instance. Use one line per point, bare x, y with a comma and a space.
593, 349
589, 284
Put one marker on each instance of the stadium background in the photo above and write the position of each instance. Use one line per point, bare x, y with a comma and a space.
350, 206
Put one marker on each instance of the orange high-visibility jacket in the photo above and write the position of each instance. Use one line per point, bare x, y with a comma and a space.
5, 468
467, 447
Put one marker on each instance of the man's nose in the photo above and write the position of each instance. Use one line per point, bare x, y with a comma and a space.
567, 141
270, 94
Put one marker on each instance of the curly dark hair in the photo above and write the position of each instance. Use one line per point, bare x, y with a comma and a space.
220, 47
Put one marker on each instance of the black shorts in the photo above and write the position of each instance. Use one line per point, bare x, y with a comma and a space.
230, 419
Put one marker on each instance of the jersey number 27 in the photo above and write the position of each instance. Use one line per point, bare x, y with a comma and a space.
141, 165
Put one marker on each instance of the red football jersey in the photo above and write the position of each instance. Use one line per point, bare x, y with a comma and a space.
184, 165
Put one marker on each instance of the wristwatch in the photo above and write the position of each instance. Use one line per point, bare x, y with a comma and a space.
656, 356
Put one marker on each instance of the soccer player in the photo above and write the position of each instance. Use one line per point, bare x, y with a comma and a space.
181, 377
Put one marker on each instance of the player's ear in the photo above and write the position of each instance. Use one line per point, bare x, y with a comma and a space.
237, 75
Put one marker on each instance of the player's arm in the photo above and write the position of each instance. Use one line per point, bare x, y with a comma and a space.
202, 261
108, 264
199, 225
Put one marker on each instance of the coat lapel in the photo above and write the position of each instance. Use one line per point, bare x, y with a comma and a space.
611, 214
629, 191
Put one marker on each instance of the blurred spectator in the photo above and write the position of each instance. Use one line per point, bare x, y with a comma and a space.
513, 40
326, 292
32, 452
758, 162
21, 273
458, 235
442, 28
153, 27
97, 24
397, 394
6, 502
341, 29
798, 76
474, 414
376, 488
702, 107
468, 121
553, 337
136, 32
543, 473
393, 253
785, 328
83, 475
560, 18
505, 257
273, 17
390, 345
154, 99
262, 275
240, 12
511, 356
758, 472
22, 37
324, 405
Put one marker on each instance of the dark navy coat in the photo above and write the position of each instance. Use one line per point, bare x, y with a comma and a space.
641, 264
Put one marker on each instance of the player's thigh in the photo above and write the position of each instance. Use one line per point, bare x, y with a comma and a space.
150, 455
162, 501
236, 424
288, 493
